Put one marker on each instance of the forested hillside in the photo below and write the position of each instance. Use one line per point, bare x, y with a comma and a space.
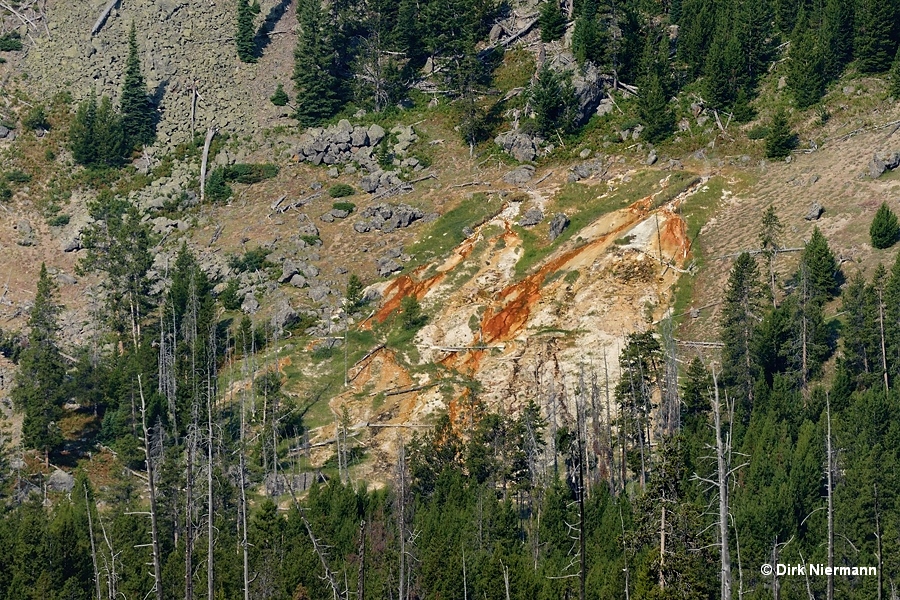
449, 299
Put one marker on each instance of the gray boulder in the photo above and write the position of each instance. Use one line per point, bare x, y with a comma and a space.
362, 227
520, 175
557, 225
588, 86
283, 315
4, 131
298, 281
532, 217
250, 304
327, 218
359, 137
288, 270
815, 211
518, 145
319, 293
883, 161
339, 214
376, 134
60, 481
387, 266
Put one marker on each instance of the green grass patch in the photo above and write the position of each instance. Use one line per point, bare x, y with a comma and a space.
341, 190
447, 232
585, 203
696, 211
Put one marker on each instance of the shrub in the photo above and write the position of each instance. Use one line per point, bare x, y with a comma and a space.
252, 260
217, 190
250, 173
885, 229
311, 240
5, 192
36, 119
280, 97
347, 206
17, 176
412, 313
58, 221
11, 42
340, 190
780, 139
229, 296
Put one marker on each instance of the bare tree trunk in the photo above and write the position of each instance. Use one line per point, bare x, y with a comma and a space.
151, 487
609, 439
878, 540
210, 439
884, 367
830, 467
723, 494
87, 505
662, 546
361, 575
209, 136
401, 501
103, 16
320, 552
242, 467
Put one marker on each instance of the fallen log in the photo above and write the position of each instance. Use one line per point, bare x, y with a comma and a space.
103, 16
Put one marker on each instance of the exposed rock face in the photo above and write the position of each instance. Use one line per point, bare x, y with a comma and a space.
520, 146
557, 225
520, 175
815, 211
585, 170
343, 144
387, 218
883, 161
532, 217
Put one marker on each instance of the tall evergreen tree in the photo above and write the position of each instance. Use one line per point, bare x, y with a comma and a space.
653, 103
874, 43
81, 132
317, 86
884, 229
894, 83
39, 389
588, 42
741, 313
780, 140
136, 108
553, 101
110, 142
806, 76
552, 21
244, 38
837, 36
819, 261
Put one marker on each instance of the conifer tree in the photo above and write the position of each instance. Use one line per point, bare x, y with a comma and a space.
136, 109
806, 76
81, 132
280, 97
587, 36
874, 43
110, 142
837, 36
653, 103
740, 315
770, 242
884, 229
553, 101
39, 389
780, 139
246, 47
894, 83
552, 21
317, 87
819, 261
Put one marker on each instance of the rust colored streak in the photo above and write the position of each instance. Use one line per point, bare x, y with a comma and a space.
400, 288
674, 237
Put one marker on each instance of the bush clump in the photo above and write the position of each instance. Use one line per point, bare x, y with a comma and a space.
11, 42
5, 192
340, 190
58, 220
412, 313
346, 206
885, 228
36, 119
250, 173
217, 189
252, 260
17, 176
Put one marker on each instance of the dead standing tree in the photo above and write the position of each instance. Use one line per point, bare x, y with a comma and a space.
151, 489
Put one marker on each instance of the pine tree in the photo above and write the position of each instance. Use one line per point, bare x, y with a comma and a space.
136, 109
874, 44
280, 97
837, 36
317, 87
740, 315
40, 385
587, 36
885, 228
806, 76
110, 143
244, 38
819, 261
552, 21
553, 101
770, 242
780, 139
81, 132
653, 103
894, 84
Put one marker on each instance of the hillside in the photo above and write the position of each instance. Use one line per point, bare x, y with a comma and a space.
481, 291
